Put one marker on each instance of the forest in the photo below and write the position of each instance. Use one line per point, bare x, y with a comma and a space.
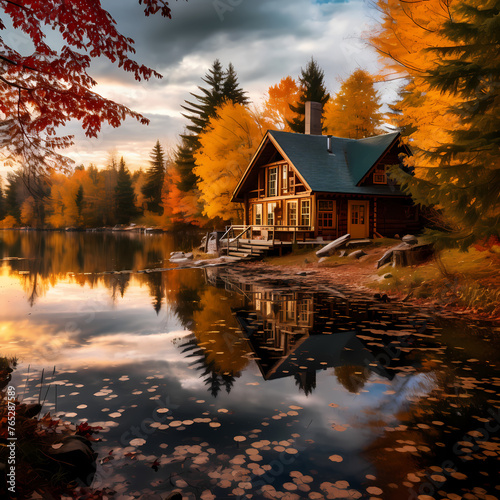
444, 53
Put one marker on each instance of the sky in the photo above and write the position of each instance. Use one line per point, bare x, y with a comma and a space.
265, 40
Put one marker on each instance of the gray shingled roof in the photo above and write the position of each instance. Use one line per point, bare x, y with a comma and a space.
338, 172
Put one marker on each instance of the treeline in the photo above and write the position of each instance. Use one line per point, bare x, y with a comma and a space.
192, 183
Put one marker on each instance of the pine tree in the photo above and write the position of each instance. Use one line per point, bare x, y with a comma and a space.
312, 88
12, 202
222, 86
231, 89
353, 113
154, 179
79, 200
3, 211
124, 195
451, 111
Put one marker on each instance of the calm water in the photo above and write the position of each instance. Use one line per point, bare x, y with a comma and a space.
225, 384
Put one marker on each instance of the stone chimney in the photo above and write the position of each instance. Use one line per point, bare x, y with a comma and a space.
314, 112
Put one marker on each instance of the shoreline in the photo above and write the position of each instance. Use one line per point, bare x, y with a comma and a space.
361, 276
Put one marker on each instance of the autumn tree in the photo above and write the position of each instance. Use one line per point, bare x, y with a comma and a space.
449, 54
279, 99
312, 88
354, 111
124, 195
51, 86
222, 86
154, 179
227, 146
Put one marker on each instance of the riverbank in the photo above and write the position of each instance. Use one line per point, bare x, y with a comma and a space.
452, 283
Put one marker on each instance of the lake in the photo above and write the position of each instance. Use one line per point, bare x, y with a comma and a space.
227, 383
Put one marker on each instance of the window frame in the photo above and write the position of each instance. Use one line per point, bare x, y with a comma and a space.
304, 214
272, 171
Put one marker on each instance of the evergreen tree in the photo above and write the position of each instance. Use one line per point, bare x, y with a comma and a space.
154, 179
461, 177
221, 86
312, 88
231, 89
3, 211
353, 113
208, 101
12, 202
124, 195
79, 200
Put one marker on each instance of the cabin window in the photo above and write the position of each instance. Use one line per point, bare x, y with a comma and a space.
271, 207
258, 215
305, 213
358, 214
326, 213
272, 182
379, 176
292, 213
291, 181
284, 180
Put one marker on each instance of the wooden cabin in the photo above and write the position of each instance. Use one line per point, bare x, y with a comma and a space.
307, 186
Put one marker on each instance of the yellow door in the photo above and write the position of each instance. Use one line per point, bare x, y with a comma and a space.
357, 219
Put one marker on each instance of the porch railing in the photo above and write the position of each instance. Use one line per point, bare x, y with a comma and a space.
244, 229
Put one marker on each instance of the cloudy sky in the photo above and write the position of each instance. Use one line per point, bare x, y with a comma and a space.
264, 39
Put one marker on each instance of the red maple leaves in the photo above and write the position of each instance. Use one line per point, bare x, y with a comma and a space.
50, 87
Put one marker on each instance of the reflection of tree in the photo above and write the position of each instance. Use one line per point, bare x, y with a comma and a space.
213, 379
306, 381
49, 257
184, 294
353, 378
156, 289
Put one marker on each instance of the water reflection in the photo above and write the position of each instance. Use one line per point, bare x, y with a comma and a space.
227, 383
42, 259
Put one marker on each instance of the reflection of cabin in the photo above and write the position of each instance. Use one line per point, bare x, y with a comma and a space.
295, 333
314, 185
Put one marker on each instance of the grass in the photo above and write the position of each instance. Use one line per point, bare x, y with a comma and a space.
464, 279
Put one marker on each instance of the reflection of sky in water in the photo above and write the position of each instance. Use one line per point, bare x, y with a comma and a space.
118, 361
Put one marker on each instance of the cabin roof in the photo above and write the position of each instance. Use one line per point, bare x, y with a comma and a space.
338, 172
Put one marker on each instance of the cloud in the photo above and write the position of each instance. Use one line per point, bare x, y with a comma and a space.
264, 39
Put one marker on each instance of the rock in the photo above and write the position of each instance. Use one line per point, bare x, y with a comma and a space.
188, 256
343, 253
357, 254
306, 261
75, 454
177, 255
323, 259
331, 247
410, 239
302, 273
387, 276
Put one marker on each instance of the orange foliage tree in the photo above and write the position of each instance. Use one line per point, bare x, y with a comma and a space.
227, 146
277, 104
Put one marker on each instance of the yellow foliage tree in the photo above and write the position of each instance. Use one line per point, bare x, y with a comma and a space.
279, 98
354, 112
227, 146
